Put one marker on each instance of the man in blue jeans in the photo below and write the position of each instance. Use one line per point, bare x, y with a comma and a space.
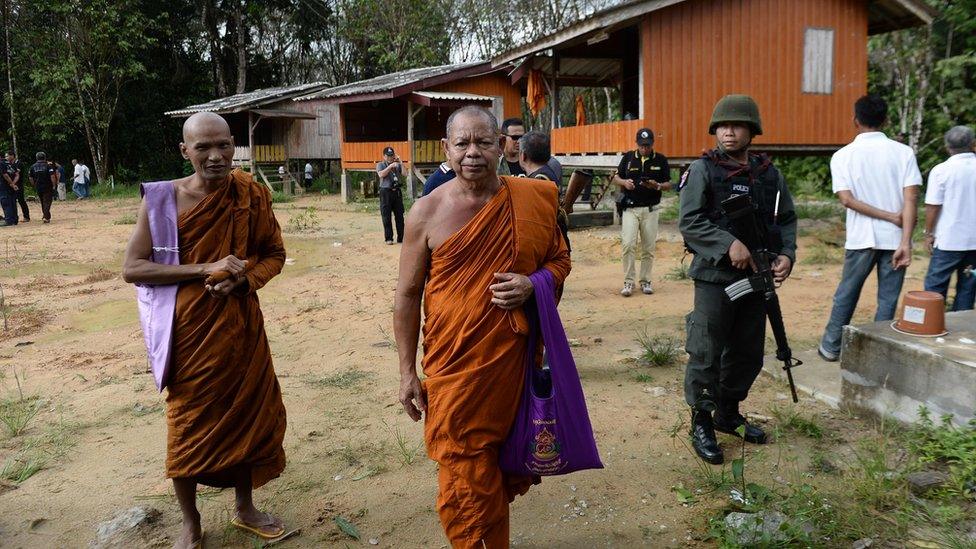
877, 180
950, 223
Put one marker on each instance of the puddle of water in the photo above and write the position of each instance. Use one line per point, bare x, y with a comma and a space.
106, 316
66, 268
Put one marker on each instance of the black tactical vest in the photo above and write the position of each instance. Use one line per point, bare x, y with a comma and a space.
727, 178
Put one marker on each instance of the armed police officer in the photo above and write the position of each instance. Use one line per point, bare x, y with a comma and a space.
725, 337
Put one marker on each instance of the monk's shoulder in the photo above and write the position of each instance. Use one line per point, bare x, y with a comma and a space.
259, 192
426, 207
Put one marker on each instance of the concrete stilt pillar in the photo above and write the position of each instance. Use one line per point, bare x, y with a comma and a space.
345, 186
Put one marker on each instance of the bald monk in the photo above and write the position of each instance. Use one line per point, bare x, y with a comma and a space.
224, 413
468, 249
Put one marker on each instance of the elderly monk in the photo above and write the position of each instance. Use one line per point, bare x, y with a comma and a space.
468, 248
224, 413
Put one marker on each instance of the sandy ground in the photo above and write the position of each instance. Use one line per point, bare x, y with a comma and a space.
74, 341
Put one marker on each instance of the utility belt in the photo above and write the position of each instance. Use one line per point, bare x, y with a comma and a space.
624, 203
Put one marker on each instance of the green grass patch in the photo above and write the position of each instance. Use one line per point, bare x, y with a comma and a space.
104, 191
945, 445
657, 351
680, 272
305, 222
125, 219
339, 380
819, 210
278, 197
670, 209
790, 420
822, 254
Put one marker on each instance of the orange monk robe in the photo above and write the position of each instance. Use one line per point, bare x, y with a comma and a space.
474, 354
224, 407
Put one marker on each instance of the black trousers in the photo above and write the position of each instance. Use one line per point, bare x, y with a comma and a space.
8, 200
46, 197
391, 202
22, 201
725, 345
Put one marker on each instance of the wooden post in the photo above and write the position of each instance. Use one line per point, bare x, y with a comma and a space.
411, 152
250, 141
555, 91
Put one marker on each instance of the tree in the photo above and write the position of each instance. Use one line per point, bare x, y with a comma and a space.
97, 43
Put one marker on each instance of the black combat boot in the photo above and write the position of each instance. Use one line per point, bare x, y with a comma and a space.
728, 419
703, 437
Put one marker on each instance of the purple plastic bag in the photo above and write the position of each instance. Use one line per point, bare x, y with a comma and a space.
157, 302
552, 435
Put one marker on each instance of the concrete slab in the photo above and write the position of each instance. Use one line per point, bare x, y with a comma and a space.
885, 373
815, 378
592, 218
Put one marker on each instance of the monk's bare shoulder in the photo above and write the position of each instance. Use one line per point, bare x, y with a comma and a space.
427, 208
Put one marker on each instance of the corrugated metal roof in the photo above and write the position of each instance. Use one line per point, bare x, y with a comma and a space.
242, 101
453, 96
410, 79
883, 16
284, 113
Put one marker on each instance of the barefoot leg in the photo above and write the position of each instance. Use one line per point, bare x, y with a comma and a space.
186, 495
246, 512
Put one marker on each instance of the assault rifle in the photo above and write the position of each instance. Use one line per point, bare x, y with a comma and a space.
751, 230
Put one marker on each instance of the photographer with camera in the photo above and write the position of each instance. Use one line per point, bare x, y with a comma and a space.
390, 172
642, 175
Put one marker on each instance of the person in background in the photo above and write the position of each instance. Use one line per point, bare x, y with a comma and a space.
512, 129
60, 181
18, 176
441, 175
390, 172
8, 192
43, 175
80, 179
643, 174
877, 180
308, 175
950, 220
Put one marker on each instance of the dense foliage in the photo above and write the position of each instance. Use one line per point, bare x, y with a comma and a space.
91, 78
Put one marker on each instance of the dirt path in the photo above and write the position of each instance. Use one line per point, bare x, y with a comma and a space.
76, 344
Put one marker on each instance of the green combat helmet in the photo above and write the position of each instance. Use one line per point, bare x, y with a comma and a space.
736, 108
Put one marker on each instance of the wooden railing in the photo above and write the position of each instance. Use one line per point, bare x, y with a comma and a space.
428, 151
365, 155
607, 138
269, 153
242, 155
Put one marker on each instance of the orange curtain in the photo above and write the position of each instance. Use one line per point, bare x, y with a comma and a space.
580, 111
536, 92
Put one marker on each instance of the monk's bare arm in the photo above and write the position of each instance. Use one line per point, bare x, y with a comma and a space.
138, 267
414, 258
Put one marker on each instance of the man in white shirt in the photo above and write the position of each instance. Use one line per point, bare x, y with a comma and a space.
308, 175
950, 220
877, 180
80, 179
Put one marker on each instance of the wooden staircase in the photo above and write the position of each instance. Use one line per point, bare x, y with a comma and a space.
267, 173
